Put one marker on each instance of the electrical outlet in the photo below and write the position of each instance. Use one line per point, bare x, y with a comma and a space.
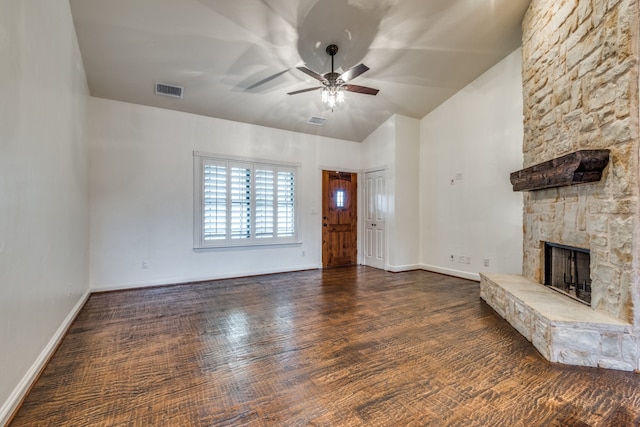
464, 260
145, 264
459, 176
485, 262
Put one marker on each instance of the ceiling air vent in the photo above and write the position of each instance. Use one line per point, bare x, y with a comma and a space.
317, 121
169, 90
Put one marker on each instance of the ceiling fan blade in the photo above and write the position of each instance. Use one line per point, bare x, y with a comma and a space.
353, 72
312, 74
304, 90
361, 89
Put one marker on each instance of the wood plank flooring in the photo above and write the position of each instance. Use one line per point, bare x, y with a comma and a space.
349, 346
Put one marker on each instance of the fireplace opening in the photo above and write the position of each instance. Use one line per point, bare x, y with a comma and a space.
567, 269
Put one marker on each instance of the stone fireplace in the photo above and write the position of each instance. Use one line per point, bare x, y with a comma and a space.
580, 90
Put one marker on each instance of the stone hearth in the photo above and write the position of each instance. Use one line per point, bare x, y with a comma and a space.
563, 330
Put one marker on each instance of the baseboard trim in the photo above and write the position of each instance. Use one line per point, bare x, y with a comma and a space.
402, 268
449, 272
11, 405
182, 280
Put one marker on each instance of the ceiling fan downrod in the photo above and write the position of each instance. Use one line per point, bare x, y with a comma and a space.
331, 50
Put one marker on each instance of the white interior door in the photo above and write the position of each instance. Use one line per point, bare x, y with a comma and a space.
375, 213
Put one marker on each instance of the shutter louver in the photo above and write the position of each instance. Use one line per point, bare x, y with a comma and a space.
264, 203
286, 204
215, 202
240, 189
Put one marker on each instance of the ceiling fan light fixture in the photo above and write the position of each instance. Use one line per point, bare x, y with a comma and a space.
332, 96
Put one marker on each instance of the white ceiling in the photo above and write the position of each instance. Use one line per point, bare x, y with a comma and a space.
236, 59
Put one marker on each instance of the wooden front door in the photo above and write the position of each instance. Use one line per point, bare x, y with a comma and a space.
339, 218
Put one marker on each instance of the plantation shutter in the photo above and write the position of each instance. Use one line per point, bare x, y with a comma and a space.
286, 204
264, 211
243, 203
240, 201
214, 215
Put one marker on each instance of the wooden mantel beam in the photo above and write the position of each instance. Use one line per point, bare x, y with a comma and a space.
579, 167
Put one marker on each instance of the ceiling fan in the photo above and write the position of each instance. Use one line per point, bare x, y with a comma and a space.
334, 84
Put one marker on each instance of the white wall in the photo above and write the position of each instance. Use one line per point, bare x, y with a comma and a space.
44, 235
378, 153
379, 147
394, 147
478, 134
141, 162
404, 253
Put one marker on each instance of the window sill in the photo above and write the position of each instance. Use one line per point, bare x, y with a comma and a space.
248, 246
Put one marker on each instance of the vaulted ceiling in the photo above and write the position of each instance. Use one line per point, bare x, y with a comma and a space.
237, 59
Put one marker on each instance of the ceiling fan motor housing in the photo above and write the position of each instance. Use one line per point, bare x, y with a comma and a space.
333, 78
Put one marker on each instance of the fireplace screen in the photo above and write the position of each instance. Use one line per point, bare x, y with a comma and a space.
568, 269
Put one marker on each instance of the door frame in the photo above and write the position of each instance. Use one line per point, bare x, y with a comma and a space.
360, 195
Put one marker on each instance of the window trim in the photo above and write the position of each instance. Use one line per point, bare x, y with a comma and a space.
199, 161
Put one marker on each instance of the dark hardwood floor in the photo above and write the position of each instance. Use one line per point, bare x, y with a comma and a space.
341, 347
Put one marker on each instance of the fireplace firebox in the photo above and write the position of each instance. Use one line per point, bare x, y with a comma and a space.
567, 269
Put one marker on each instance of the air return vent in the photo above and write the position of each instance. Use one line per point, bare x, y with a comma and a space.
169, 90
317, 121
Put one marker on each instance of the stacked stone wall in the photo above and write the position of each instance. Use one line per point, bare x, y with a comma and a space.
580, 83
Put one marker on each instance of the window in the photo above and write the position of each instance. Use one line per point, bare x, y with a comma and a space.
243, 202
340, 199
